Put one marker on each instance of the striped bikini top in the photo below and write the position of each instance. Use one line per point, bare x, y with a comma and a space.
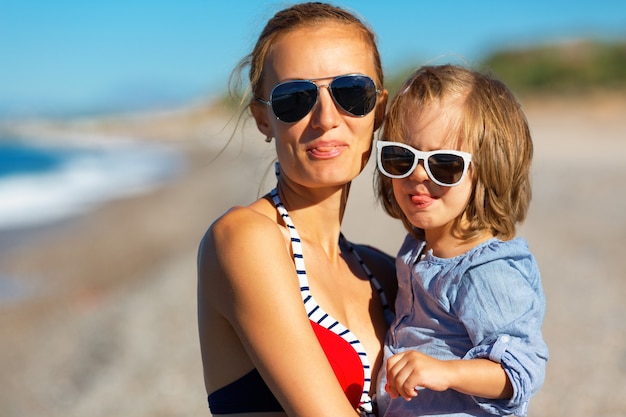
344, 351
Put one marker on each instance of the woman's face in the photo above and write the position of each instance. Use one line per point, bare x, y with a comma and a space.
328, 147
427, 205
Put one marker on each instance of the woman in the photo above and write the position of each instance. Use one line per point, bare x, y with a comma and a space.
316, 78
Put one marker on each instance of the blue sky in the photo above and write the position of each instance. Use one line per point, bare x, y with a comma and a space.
83, 55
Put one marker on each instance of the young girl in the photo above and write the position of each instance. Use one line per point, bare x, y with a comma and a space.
454, 167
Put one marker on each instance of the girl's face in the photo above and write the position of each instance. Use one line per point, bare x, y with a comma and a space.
328, 146
427, 205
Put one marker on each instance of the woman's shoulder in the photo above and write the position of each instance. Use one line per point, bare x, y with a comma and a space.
238, 229
243, 220
238, 243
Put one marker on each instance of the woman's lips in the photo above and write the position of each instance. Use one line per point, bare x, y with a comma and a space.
326, 150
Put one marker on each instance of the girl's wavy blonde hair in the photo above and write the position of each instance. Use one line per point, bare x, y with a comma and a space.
492, 128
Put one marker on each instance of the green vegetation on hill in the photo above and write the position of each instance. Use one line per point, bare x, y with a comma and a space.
563, 68
566, 68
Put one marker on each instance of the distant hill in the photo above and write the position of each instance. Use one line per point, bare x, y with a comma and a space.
574, 67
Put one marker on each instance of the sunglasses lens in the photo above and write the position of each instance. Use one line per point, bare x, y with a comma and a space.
356, 94
291, 101
396, 160
446, 168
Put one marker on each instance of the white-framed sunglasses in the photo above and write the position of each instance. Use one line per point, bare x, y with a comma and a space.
444, 167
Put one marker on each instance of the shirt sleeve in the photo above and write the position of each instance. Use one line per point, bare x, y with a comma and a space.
501, 303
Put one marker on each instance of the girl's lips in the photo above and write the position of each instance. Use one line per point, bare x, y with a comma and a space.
326, 150
421, 200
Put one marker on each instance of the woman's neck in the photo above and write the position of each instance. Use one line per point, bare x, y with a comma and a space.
317, 213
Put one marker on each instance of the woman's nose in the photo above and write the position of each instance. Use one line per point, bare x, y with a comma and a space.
326, 114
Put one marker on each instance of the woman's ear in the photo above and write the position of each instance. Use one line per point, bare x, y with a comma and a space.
259, 112
381, 108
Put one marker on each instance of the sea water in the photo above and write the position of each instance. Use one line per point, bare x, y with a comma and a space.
44, 182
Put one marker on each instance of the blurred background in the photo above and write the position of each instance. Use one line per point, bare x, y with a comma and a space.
114, 121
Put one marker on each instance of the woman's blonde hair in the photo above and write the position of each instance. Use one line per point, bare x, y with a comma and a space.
492, 128
292, 18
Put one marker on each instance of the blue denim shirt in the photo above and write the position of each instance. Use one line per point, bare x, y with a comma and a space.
486, 303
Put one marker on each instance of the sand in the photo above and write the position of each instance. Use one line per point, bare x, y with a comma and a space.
109, 327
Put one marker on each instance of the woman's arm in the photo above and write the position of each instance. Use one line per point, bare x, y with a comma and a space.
247, 278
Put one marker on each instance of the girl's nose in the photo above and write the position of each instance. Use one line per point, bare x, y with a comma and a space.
419, 173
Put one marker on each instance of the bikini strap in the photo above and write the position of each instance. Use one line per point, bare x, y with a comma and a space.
295, 238
316, 313
389, 316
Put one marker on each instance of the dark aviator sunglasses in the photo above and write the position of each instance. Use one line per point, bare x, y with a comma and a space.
292, 100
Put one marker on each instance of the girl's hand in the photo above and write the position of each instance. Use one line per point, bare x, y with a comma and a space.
410, 370
407, 371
